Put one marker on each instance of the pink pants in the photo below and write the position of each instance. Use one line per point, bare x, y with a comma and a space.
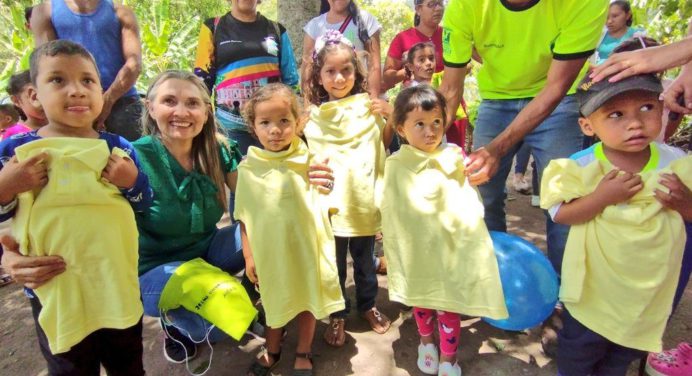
448, 324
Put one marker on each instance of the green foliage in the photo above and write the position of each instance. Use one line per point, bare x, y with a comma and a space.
394, 16
16, 41
663, 20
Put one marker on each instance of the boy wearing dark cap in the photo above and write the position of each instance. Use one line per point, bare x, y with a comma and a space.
625, 199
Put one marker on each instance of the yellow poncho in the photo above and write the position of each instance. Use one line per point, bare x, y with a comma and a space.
348, 134
92, 227
289, 233
439, 251
620, 269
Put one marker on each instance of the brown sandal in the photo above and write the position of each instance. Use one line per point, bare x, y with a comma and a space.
377, 320
335, 334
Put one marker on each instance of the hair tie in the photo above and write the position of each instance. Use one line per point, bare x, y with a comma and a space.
330, 37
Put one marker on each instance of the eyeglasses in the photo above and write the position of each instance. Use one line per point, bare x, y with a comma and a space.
434, 4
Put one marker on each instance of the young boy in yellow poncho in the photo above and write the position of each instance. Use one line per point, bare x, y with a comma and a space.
74, 198
625, 198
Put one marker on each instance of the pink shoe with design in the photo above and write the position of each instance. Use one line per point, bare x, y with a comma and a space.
674, 362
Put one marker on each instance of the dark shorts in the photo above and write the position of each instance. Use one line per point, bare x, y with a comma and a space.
118, 350
583, 352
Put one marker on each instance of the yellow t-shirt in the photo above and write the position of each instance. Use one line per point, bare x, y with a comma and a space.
439, 251
346, 132
620, 269
87, 222
288, 228
518, 46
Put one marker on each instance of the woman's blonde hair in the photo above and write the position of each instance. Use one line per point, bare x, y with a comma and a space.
205, 146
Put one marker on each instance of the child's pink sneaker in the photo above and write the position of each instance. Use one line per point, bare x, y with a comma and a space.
674, 362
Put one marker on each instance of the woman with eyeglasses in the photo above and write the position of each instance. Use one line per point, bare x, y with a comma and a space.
426, 29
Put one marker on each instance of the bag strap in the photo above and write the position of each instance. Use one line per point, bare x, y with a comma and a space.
344, 25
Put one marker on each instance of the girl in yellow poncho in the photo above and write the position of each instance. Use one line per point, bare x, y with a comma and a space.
346, 126
287, 240
440, 254
625, 199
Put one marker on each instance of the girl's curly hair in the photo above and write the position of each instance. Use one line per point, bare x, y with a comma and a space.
264, 94
314, 92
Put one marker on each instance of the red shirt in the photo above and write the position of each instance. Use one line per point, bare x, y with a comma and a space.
403, 41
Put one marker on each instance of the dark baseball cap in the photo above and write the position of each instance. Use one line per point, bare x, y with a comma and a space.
592, 95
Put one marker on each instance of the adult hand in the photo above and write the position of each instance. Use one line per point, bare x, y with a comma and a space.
17, 177
626, 64
121, 172
31, 272
681, 88
105, 112
321, 176
679, 197
250, 270
481, 165
380, 107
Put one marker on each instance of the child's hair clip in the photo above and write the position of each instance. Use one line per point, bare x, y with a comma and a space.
330, 37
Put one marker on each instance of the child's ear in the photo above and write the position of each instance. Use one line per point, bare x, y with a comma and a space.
15, 100
400, 131
33, 97
586, 127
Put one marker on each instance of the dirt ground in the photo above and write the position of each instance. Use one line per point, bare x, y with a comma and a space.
483, 351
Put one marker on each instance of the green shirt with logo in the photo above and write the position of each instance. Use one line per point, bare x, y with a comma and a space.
518, 44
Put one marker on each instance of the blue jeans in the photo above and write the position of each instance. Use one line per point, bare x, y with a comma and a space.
361, 248
225, 252
686, 268
558, 136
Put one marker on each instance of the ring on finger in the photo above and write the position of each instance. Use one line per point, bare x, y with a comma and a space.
329, 185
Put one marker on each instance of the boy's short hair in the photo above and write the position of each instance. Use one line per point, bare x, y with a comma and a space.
592, 95
9, 109
55, 48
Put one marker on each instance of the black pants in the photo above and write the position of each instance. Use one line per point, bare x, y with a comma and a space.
119, 350
583, 352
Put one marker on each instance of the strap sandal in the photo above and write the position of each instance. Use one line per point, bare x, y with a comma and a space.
335, 333
377, 320
303, 371
259, 369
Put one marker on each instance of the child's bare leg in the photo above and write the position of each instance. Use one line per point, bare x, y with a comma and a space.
306, 332
273, 344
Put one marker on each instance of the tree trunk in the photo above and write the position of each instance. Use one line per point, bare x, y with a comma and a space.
294, 15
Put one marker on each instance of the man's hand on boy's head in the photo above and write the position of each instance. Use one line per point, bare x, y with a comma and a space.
678, 198
618, 186
121, 172
17, 177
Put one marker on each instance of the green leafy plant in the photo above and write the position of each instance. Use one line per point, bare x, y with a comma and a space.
16, 41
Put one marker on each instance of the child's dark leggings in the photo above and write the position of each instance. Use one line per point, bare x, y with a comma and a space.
119, 350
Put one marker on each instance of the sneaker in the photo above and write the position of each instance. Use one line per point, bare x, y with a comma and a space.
177, 347
447, 369
428, 359
674, 362
535, 201
521, 185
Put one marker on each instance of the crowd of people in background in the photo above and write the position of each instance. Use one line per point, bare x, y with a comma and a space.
318, 159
